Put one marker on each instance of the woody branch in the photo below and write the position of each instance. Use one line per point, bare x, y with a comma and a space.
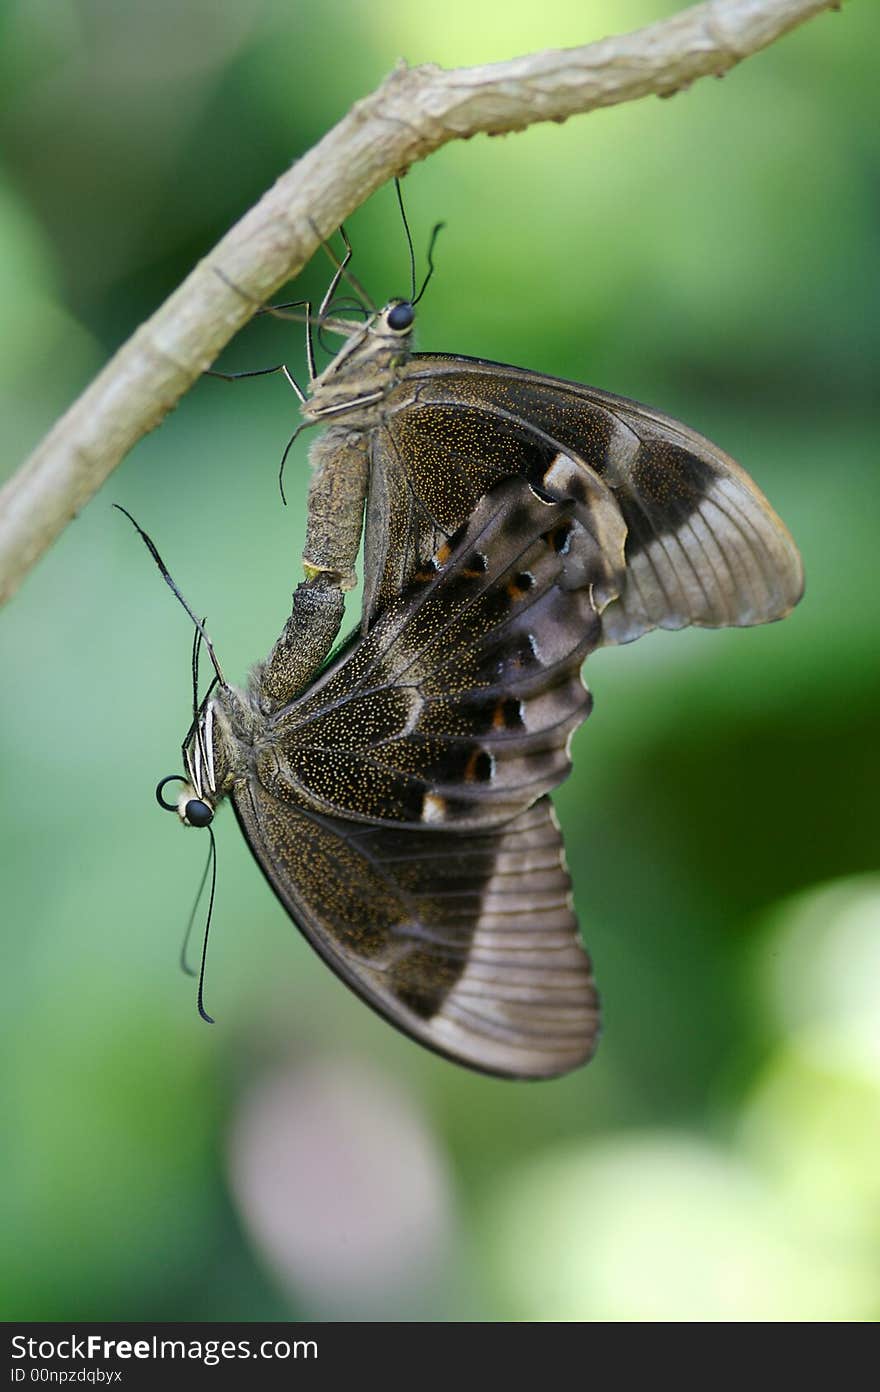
412, 113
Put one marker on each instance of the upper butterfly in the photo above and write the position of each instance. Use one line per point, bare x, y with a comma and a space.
397, 804
671, 530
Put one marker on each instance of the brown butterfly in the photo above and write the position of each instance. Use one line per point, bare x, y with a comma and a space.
397, 805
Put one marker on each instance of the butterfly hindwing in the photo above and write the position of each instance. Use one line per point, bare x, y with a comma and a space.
467, 943
458, 706
673, 531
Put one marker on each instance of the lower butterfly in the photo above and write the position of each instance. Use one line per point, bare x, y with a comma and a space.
398, 804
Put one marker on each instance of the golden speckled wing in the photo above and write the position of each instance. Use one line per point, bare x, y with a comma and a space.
672, 531
465, 942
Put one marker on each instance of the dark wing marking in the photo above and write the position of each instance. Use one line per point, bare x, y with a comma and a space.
466, 943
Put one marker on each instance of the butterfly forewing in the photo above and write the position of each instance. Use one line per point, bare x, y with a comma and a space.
673, 531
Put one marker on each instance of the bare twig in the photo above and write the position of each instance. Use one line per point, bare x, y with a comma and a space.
412, 113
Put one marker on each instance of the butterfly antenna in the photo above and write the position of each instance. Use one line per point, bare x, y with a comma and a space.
438, 228
409, 241
169, 581
212, 864
184, 949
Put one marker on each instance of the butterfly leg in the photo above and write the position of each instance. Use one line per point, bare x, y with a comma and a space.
262, 372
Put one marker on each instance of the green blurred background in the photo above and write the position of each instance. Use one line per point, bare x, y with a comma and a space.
715, 255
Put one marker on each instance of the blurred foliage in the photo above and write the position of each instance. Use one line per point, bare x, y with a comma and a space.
714, 254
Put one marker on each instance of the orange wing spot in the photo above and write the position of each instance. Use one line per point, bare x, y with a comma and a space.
443, 554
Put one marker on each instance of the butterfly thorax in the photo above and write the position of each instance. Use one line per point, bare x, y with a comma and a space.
365, 370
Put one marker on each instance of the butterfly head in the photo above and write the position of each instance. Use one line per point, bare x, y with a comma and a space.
192, 809
197, 797
390, 327
366, 367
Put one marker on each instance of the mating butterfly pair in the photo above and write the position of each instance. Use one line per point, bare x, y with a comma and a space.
397, 802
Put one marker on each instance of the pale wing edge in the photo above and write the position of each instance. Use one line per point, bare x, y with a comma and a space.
532, 1020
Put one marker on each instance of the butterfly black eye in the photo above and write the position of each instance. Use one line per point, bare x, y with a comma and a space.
198, 813
400, 318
